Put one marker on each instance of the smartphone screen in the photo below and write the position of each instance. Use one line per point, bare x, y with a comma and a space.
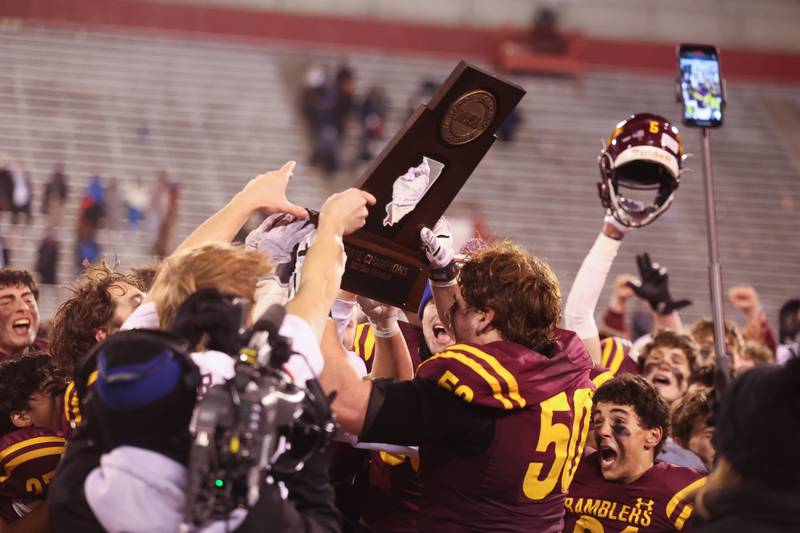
701, 85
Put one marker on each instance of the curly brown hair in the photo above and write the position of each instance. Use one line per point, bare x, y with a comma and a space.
693, 408
670, 339
91, 306
520, 288
646, 401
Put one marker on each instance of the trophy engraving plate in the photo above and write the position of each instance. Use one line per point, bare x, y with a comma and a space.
468, 117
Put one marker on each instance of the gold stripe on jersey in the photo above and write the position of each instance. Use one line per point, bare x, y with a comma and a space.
30, 456
92, 379
511, 381
365, 341
478, 369
69, 409
9, 450
602, 378
679, 497
613, 354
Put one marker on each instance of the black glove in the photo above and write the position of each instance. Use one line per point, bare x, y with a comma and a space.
211, 312
654, 287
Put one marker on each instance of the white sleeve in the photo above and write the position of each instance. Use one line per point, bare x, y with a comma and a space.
342, 313
588, 284
307, 362
143, 317
357, 363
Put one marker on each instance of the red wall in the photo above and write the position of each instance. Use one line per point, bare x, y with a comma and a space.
399, 36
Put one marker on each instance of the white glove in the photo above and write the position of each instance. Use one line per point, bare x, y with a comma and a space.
438, 244
278, 235
383, 317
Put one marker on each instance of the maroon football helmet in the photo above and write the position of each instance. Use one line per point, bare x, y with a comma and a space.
643, 153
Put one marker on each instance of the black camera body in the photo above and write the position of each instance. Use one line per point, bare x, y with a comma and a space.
255, 428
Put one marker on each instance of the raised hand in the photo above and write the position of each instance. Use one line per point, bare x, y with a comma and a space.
653, 286
268, 192
346, 212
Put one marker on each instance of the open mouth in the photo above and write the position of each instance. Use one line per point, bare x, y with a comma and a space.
661, 379
608, 457
441, 335
21, 326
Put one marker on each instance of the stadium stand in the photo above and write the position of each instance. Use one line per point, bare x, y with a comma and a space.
213, 114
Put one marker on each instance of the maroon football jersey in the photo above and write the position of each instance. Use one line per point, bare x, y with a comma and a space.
393, 499
364, 343
543, 407
614, 356
28, 461
654, 502
394, 495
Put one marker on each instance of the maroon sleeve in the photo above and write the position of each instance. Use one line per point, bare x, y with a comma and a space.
769, 336
28, 461
615, 322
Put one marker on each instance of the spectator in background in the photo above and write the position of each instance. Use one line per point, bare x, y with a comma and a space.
345, 91
22, 197
92, 207
55, 196
373, 116
136, 201
319, 101
113, 204
157, 206
47, 258
545, 35
166, 230
6, 184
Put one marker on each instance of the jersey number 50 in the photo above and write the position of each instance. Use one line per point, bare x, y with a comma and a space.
568, 443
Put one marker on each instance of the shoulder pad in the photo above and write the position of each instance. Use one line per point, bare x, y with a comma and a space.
474, 375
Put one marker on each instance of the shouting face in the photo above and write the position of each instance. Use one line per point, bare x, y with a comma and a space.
626, 448
19, 319
437, 337
668, 370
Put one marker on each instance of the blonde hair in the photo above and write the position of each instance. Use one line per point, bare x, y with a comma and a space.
229, 268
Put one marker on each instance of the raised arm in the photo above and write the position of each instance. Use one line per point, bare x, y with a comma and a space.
589, 281
392, 358
266, 192
341, 214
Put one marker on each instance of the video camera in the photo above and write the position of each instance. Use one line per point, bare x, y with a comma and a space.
256, 427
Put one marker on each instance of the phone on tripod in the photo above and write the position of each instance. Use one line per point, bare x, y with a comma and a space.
700, 85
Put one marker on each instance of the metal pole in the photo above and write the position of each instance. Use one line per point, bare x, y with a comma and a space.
721, 376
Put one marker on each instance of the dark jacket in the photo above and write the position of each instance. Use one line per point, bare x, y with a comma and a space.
752, 508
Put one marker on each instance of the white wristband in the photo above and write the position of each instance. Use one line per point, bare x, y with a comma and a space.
385, 331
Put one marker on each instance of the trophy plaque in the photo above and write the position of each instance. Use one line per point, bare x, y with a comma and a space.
416, 177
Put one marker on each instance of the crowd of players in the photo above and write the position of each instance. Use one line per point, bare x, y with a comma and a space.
486, 411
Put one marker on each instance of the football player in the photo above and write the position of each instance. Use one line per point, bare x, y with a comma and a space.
511, 377
31, 444
102, 299
693, 426
619, 486
19, 313
668, 362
